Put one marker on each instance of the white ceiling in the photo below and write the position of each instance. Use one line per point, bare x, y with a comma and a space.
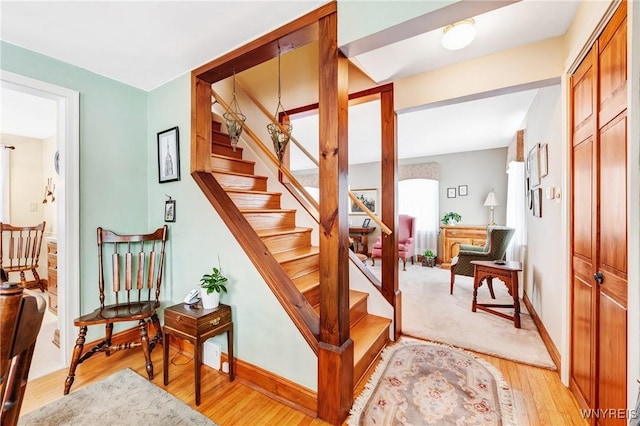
148, 43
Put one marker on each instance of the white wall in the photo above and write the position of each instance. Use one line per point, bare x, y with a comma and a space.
479, 170
544, 269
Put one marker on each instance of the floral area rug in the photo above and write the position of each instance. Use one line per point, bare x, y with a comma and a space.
424, 383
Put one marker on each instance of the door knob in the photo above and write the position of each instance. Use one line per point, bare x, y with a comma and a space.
599, 277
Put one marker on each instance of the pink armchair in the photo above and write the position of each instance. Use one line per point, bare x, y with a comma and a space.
406, 244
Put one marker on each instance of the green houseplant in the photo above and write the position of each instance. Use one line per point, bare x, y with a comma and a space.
451, 218
428, 258
211, 285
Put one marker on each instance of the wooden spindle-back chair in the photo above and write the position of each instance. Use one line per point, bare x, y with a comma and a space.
20, 320
130, 269
20, 251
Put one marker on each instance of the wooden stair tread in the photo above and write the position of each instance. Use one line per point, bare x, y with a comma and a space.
308, 281
234, 159
267, 211
366, 332
269, 232
251, 191
228, 172
298, 253
355, 297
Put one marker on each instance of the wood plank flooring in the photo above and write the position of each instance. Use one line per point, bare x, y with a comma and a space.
539, 396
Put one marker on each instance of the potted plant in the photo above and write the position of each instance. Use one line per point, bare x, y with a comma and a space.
428, 259
451, 218
211, 285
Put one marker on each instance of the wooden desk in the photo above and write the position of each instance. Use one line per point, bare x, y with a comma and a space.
508, 273
362, 238
196, 324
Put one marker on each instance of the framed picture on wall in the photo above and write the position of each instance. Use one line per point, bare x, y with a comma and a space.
544, 161
451, 193
533, 166
168, 155
537, 202
463, 190
368, 197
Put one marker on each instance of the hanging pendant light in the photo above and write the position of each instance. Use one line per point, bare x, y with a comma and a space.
280, 132
234, 117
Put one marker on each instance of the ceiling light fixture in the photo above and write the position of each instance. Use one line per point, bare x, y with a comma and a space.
459, 35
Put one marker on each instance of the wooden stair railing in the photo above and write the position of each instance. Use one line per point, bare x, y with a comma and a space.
282, 251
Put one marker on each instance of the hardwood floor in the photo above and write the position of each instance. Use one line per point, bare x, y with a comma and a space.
539, 396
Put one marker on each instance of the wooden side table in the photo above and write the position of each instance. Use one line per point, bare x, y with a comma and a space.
196, 324
362, 238
508, 273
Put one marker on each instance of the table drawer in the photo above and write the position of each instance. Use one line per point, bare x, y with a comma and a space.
181, 320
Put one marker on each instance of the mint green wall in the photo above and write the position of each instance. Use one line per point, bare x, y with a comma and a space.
198, 240
113, 153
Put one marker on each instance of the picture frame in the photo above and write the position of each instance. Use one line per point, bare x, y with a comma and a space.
537, 202
451, 193
544, 160
463, 190
170, 211
368, 197
168, 155
366, 222
533, 166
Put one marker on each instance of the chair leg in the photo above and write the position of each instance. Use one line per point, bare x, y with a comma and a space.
453, 278
373, 261
490, 285
144, 336
108, 332
38, 280
412, 260
75, 358
404, 263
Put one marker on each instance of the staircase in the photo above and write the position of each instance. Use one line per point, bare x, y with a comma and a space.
290, 245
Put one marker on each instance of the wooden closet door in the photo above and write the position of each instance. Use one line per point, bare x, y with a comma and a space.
584, 232
599, 224
612, 254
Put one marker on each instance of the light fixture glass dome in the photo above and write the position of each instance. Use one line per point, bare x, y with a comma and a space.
459, 35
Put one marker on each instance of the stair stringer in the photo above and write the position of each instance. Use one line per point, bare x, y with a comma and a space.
292, 301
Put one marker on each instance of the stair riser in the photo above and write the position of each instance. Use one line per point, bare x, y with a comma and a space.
219, 137
271, 220
227, 150
298, 267
252, 183
371, 354
216, 125
255, 201
313, 295
228, 164
278, 243
357, 312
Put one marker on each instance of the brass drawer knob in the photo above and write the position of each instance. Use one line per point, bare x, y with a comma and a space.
215, 321
179, 318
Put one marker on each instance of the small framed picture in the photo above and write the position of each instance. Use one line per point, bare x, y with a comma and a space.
463, 190
537, 202
168, 155
544, 161
170, 211
366, 222
451, 193
368, 197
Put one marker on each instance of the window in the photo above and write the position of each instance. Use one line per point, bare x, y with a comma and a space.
419, 198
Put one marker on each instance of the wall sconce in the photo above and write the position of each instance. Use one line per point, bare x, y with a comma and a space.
491, 202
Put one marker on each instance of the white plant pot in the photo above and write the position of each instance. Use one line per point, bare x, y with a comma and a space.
209, 301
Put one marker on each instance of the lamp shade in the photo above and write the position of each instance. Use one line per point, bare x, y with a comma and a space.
459, 35
491, 200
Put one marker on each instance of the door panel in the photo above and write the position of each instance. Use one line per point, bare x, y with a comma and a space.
613, 69
582, 201
582, 352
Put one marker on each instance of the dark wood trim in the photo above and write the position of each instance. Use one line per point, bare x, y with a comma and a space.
293, 302
389, 180
200, 125
544, 334
289, 37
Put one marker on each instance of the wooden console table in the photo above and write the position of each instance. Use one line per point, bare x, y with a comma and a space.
508, 273
196, 324
362, 238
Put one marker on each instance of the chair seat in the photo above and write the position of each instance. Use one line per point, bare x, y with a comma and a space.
116, 313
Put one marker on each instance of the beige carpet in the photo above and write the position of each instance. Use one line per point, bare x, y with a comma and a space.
123, 399
429, 312
423, 383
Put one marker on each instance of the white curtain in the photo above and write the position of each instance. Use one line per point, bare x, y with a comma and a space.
419, 198
516, 210
4, 184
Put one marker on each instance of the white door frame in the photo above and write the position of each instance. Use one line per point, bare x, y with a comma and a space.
68, 196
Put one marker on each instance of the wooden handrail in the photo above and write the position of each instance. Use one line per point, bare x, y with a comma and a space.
273, 159
365, 209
